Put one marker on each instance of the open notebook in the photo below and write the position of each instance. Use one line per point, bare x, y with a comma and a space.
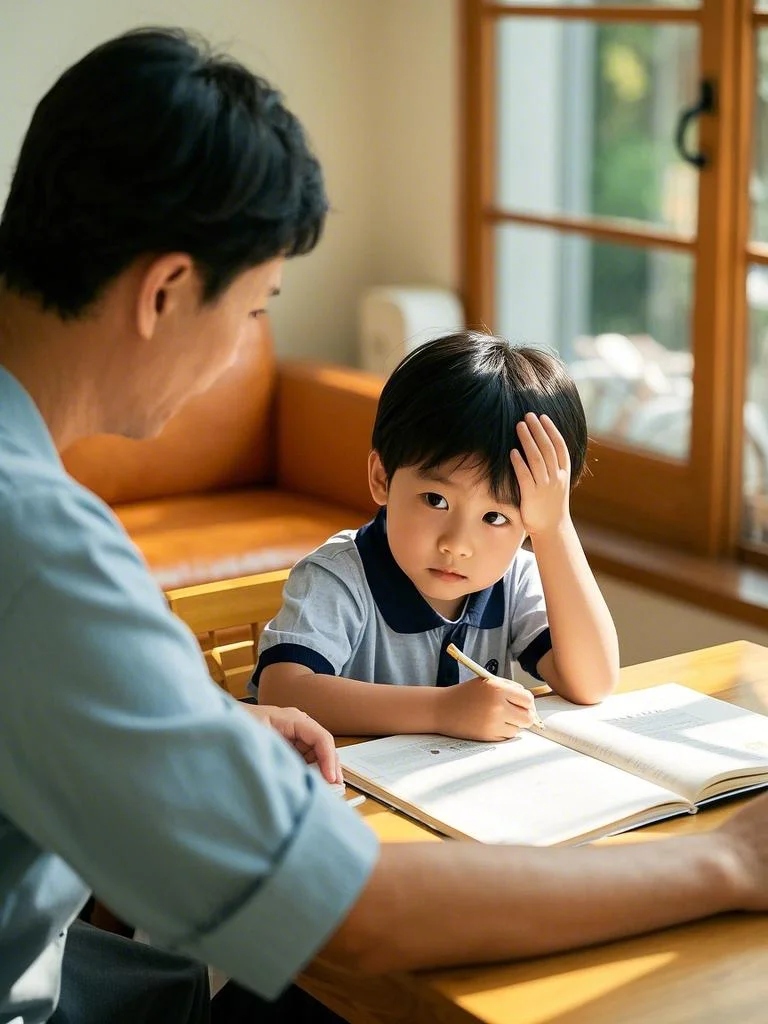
593, 771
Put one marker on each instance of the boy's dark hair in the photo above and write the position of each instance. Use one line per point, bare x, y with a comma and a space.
461, 396
153, 144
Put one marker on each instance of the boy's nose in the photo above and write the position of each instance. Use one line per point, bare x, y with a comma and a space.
455, 544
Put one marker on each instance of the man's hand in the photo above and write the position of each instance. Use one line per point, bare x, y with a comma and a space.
313, 742
544, 475
746, 832
484, 709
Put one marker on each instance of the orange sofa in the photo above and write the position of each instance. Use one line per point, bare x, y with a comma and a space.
247, 477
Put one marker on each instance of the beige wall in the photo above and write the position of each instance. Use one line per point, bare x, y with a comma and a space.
652, 626
416, 110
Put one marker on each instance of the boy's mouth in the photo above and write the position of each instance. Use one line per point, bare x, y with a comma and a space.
447, 575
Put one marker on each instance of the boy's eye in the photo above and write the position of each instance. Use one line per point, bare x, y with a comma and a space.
495, 519
435, 500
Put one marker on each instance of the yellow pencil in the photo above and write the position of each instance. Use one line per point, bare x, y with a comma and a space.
454, 652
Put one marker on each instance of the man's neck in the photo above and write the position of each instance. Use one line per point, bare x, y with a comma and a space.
48, 357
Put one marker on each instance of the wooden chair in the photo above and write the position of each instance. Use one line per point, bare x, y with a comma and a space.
227, 617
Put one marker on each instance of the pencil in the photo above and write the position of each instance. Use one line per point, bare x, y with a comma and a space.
465, 660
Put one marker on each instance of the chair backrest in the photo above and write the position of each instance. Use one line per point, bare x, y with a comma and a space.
227, 617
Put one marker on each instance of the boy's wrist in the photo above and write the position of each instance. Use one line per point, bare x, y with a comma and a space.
440, 705
554, 531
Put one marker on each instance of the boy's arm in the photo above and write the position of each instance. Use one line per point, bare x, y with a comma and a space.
312, 637
583, 664
476, 709
347, 707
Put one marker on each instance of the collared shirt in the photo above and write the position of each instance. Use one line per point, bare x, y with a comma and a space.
350, 610
123, 769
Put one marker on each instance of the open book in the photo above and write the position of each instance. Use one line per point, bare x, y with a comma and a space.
593, 771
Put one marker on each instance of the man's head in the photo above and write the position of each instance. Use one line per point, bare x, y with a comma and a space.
151, 144
158, 190
444, 429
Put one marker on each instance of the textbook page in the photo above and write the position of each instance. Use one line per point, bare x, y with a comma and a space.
525, 790
695, 745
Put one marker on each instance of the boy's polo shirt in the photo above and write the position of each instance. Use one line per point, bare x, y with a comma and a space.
349, 610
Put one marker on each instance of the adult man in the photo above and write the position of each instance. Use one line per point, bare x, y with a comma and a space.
157, 193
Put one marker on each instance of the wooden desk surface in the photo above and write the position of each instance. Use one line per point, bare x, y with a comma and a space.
712, 972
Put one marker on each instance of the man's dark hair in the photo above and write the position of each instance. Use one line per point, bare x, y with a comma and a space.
462, 396
153, 144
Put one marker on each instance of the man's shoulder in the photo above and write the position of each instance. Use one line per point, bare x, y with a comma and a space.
45, 516
32, 493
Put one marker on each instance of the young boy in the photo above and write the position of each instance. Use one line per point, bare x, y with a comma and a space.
476, 446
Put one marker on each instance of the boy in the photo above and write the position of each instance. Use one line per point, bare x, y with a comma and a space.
476, 445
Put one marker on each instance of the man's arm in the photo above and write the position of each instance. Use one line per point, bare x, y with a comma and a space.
119, 754
429, 904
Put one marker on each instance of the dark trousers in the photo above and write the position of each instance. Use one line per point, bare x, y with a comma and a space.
110, 979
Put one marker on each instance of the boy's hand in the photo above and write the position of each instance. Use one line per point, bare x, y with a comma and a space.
313, 742
545, 480
484, 709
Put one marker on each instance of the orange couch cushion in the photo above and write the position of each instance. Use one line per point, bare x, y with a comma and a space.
222, 438
197, 538
325, 417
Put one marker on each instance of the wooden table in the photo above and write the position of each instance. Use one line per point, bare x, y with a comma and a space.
712, 972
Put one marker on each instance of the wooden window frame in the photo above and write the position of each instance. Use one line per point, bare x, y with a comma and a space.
694, 506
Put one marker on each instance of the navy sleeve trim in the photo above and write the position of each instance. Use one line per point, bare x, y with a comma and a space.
534, 652
296, 653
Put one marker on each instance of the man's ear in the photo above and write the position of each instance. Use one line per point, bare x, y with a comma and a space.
164, 288
377, 479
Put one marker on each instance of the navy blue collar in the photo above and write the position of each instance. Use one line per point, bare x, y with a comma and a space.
402, 606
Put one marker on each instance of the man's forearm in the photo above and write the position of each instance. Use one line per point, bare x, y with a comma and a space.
460, 902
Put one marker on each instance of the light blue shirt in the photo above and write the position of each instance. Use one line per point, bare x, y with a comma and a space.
123, 769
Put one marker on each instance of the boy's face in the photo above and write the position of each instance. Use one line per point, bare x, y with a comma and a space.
446, 531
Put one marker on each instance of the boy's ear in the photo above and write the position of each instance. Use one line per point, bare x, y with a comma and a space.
377, 479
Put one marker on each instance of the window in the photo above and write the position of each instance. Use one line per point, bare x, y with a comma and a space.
616, 208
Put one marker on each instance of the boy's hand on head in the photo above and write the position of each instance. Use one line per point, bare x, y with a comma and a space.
485, 709
313, 742
544, 475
